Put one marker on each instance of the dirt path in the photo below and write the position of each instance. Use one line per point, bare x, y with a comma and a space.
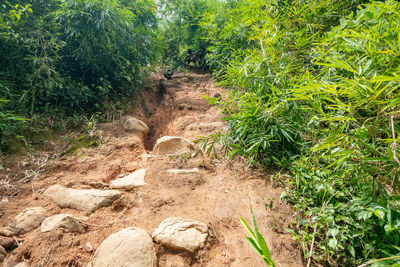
217, 195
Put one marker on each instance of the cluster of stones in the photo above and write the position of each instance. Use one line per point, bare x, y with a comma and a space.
176, 233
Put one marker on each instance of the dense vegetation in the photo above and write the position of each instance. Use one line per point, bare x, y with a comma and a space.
314, 93
62, 59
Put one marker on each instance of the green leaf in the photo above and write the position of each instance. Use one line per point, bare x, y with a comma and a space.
333, 243
350, 248
380, 214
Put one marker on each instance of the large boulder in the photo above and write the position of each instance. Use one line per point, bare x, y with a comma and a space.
66, 222
27, 220
85, 199
135, 126
130, 247
130, 181
181, 234
174, 145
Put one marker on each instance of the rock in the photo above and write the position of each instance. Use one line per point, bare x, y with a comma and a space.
131, 166
173, 145
85, 199
129, 247
130, 181
184, 106
184, 171
135, 126
8, 242
3, 254
28, 219
65, 222
97, 185
158, 202
22, 264
88, 247
181, 234
9, 262
5, 232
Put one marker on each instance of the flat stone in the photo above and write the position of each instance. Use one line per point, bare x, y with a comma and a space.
66, 222
85, 199
130, 181
130, 247
135, 126
174, 145
181, 234
28, 219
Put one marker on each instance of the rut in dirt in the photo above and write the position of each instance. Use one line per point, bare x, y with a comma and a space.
148, 186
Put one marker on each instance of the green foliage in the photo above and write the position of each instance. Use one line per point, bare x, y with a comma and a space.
315, 88
256, 240
180, 29
67, 58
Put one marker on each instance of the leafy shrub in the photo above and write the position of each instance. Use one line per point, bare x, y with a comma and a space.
68, 58
315, 85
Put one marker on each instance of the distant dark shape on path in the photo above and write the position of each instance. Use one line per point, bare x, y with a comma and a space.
168, 74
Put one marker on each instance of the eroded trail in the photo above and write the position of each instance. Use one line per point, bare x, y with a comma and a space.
190, 186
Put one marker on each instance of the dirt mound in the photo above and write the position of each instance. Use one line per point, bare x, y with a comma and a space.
215, 192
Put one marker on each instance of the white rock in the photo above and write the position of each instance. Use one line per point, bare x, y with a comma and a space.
28, 219
184, 171
135, 126
181, 234
130, 247
66, 222
173, 145
130, 181
88, 247
86, 200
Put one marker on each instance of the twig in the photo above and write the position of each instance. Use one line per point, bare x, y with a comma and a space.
393, 146
378, 260
94, 225
312, 246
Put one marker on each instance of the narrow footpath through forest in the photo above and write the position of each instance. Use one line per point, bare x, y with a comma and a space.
148, 195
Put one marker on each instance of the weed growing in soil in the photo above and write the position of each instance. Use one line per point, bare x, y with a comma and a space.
257, 241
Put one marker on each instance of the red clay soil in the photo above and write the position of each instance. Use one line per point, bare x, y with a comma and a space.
217, 196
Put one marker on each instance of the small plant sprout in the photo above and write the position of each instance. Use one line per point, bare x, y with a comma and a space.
257, 241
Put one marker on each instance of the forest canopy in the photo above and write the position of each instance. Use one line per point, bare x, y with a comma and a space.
313, 93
